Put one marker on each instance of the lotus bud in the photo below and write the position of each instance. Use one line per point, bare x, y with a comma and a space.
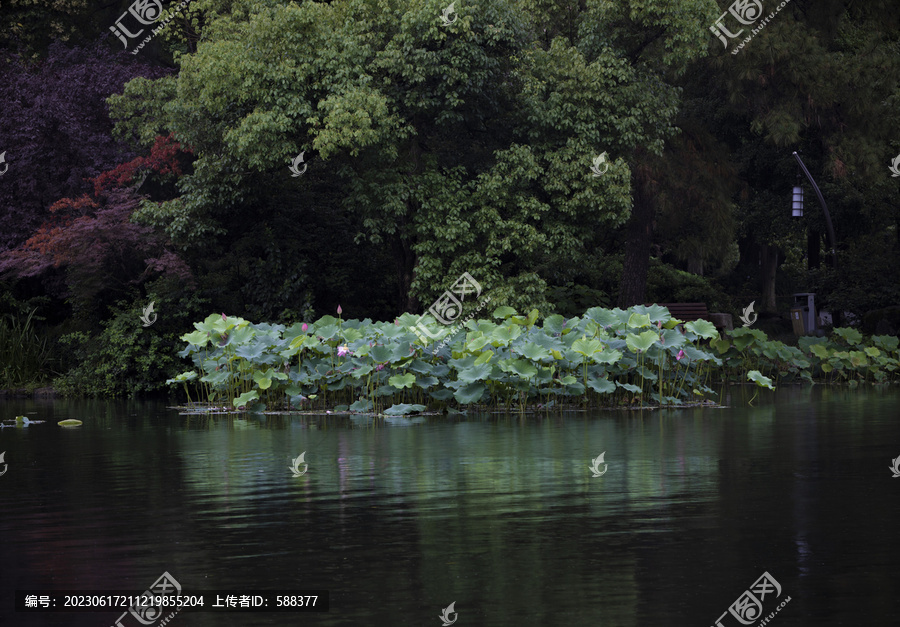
340, 311
305, 326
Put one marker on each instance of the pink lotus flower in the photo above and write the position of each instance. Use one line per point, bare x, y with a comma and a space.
224, 318
340, 311
679, 356
343, 350
379, 367
305, 326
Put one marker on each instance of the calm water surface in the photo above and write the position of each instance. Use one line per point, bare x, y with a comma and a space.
498, 513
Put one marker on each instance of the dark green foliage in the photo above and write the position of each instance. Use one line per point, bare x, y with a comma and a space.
126, 358
25, 353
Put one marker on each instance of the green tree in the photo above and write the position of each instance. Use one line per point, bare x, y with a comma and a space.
455, 148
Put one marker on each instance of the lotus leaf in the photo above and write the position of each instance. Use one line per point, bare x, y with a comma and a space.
402, 409
602, 386
703, 328
470, 393
638, 321
760, 380
504, 312
402, 381
643, 341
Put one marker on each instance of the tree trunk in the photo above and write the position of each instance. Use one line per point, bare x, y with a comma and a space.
639, 230
768, 261
813, 239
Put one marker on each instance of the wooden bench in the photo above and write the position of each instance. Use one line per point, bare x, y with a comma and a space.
688, 311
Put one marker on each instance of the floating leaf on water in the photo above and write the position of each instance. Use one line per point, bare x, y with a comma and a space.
69, 423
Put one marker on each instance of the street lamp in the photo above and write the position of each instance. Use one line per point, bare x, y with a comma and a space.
797, 207
797, 200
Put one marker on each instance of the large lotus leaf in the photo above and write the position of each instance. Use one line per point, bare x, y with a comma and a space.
762, 381
721, 344
587, 347
400, 352
420, 367
328, 332
628, 386
703, 328
245, 398
351, 335
380, 354
553, 324
695, 353
401, 381
502, 336
216, 378
887, 343
361, 406
851, 336
521, 367
484, 358
216, 324
602, 386
477, 343
427, 382
858, 358
534, 352
197, 338
871, 351
643, 341
646, 373
504, 312
385, 390
251, 352
363, 370
638, 321
402, 409
475, 373
606, 317
190, 375
607, 356
657, 313
806, 342
574, 389
568, 380
442, 394
820, 351
470, 393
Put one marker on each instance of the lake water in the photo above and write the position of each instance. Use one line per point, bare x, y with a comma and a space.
499, 514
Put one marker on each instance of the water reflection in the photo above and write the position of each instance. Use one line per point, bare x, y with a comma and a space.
499, 513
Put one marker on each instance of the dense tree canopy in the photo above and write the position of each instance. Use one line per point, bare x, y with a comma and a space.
432, 149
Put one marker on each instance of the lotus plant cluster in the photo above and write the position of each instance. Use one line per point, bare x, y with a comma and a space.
607, 357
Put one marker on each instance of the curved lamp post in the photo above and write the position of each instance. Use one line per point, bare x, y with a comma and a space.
797, 207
